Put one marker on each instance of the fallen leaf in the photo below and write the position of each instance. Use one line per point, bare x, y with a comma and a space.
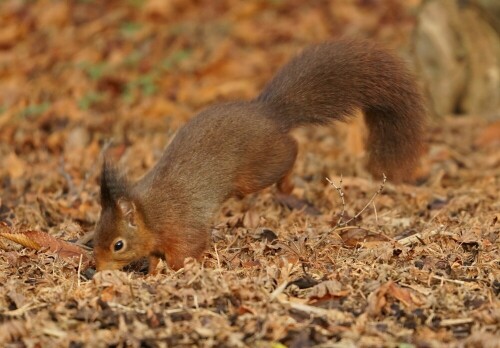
379, 298
327, 290
38, 240
250, 264
354, 237
251, 219
23, 239
401, 294
490, 136
293, 202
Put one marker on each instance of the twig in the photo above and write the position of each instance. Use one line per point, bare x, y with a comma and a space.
381, 187
442, 279
330, 313
126, 308
414, 238
22, 310
341, 194
278, 290
79, 269
423, 291
375, 211
219, 268
217, 255
453, 322
342, 224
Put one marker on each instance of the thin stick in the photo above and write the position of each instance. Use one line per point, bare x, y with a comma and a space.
341, 225
341, 194
217, 256
79, 269
369, 202
458, 321
442, 279
417, 237
278, 290
219, 268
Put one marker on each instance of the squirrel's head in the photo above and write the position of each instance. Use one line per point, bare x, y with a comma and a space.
119, 234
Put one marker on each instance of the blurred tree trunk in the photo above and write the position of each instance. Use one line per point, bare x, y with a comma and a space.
457, 53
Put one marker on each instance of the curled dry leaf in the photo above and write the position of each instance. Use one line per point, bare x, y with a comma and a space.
327, 290
38, 240
378, 299
23, 239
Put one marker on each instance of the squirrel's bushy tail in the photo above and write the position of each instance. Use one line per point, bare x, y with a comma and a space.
331, 81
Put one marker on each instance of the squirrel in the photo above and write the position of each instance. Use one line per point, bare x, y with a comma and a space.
237, 148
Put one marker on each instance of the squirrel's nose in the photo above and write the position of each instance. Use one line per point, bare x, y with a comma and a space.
102, 261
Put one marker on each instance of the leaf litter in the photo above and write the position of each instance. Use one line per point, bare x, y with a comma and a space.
418, 267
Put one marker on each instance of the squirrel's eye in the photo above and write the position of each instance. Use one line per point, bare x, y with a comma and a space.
118, 245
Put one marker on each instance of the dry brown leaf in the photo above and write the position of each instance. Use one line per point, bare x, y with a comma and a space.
490, 136
327, 290
401, 294
108, 294
38, 240
251, 219
250, 263
245, 309
23, 239
379, 298
354, 237
293, 202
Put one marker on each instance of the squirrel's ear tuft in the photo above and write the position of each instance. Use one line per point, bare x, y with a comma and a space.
114, 185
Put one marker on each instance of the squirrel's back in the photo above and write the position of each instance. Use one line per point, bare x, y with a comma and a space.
331, 81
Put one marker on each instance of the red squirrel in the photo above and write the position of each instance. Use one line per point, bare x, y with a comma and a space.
241, 147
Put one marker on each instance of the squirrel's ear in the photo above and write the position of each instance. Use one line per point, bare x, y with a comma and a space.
114, 185
128, 210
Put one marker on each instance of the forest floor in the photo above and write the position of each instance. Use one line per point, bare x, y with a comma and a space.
418, 267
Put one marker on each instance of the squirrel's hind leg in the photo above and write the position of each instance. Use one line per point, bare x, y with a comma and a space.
285, 185
272, 165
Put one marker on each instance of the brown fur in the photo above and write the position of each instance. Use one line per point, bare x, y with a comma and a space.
237, 148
